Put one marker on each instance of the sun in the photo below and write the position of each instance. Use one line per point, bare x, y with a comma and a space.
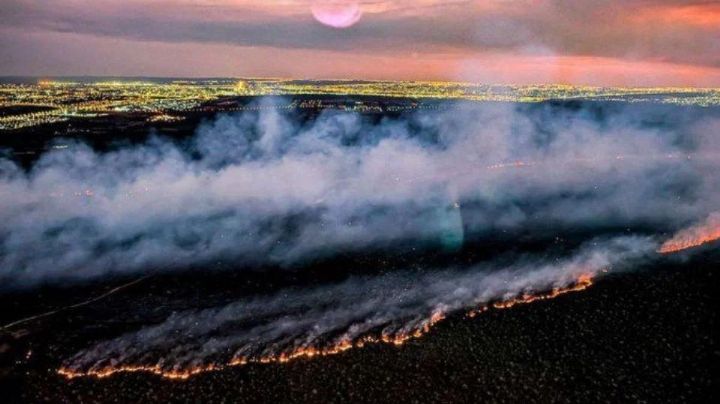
336, 13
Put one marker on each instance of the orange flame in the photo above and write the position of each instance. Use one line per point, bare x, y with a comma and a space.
695, 236
396, 339
583, 282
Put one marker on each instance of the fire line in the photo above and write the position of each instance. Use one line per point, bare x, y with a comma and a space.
583, 282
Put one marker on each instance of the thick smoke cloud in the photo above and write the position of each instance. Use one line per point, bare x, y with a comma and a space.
268, 187
271, 187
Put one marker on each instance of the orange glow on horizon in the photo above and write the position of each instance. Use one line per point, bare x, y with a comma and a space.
581, 70
433, 63
704, 15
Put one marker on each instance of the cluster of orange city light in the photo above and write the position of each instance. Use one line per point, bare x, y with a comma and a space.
397, 339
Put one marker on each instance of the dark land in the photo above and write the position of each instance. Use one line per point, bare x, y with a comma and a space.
644, 336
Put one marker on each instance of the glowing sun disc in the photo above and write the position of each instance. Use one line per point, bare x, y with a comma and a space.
336, 14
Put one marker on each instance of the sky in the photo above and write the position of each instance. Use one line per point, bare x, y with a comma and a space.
594, 42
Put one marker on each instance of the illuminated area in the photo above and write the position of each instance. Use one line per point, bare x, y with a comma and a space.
57, 101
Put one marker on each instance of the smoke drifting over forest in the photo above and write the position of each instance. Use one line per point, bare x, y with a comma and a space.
270, 188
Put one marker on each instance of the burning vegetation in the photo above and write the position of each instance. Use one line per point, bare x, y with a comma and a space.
694, 236
397, 339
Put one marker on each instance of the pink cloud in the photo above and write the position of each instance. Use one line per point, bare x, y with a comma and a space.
636, 42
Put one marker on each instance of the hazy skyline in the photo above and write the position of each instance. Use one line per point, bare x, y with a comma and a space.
633, 42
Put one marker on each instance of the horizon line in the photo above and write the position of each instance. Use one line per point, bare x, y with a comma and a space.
468, 83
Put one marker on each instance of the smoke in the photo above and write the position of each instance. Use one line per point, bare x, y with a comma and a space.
389, 307
272, 187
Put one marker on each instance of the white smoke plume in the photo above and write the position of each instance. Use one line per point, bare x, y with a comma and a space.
269, 187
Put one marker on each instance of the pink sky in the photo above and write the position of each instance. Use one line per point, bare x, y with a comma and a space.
596, 42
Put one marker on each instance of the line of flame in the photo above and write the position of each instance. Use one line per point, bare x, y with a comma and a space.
704, 233
398, 339
679, 244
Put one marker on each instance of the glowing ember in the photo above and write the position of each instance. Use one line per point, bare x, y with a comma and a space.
583, 282
396, 339
695, 236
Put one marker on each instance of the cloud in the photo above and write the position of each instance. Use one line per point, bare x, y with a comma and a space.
677, 32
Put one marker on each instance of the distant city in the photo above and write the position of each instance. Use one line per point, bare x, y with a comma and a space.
26, 103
